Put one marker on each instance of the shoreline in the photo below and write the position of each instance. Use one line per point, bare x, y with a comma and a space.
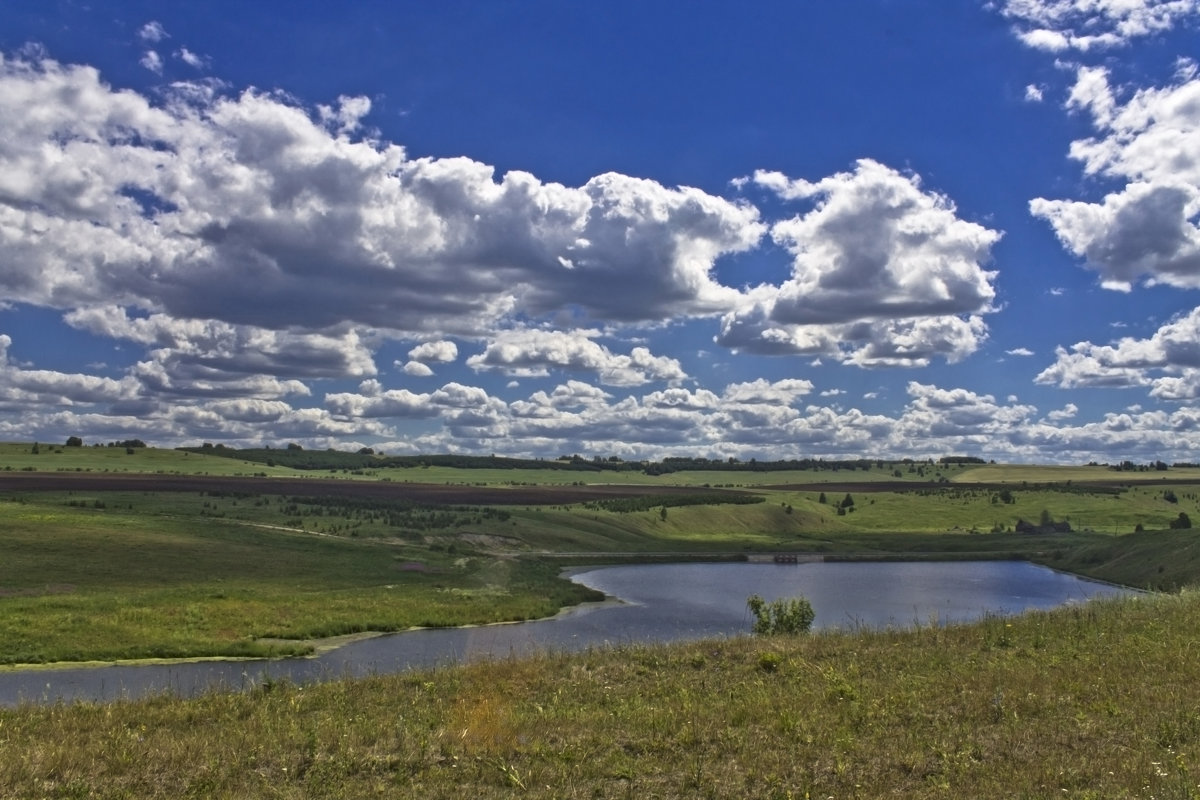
324, 645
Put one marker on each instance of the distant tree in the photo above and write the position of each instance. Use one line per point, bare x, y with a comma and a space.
1170, 497
663, 514
847, 501
1046, 519
74, 441
822, 499
366, 451
1182, 522
294, 446
35, 449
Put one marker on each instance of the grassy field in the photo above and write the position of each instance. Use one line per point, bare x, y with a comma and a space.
1036, 473
151, 460
1096, 701
79, 582
114, 574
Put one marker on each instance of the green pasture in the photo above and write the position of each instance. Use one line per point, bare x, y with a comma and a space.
121, 574
150, 460
84, 583
962, 508
1042, 473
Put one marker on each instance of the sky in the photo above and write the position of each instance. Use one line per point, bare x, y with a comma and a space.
864, 229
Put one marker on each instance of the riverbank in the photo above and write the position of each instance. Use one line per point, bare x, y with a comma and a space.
1092, 700
613, 596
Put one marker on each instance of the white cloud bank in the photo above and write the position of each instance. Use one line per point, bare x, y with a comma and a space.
534, 353
252, 211
883, 274
178, 208
1148, 230
255, 249
1083, 25
1168, 363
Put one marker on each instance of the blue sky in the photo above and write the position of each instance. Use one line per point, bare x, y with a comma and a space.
878, 228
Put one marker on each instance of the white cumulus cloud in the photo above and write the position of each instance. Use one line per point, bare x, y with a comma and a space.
883, 273
1058, 25
536, 352
1148, 230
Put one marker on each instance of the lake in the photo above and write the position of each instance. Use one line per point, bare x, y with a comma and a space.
658, 603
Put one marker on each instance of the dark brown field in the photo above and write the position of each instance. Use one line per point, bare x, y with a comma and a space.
424, 493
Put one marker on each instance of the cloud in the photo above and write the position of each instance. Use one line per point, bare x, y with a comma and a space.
153, 31
1069, 411
1148, 229
416, 369
191, 59
219, 348
438, 352
441, 352
785, 392
536, 352
1033, 93
1058, 25
390, 403
152, 61
958, 414
1168, 362
23, 388
883, 273
1019, 351
176, 206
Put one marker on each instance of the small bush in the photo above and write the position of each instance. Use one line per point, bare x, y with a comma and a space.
790, 615
769, 662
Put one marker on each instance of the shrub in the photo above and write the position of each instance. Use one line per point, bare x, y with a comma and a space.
769, 662
783, 616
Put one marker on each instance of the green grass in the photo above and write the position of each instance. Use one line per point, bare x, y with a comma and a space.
80, 583
151, 460
121, 575
1096, 701
1041, 473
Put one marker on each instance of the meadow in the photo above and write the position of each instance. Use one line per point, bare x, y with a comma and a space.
106, 575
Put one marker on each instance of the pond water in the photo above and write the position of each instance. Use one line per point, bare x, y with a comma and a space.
659, 602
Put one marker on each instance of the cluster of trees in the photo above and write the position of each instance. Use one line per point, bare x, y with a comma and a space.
1129, 466
75, 441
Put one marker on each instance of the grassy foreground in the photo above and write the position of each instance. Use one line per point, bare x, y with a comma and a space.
1096, 701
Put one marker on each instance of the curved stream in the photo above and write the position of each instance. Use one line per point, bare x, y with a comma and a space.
661, 602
